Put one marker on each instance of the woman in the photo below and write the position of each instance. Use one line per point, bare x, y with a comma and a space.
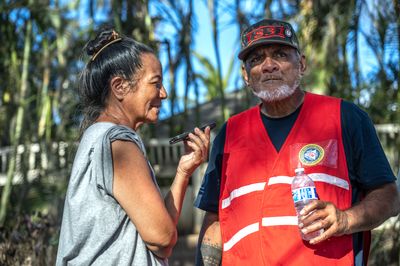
114, 213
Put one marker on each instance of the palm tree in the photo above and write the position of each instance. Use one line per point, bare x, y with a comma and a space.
210, 78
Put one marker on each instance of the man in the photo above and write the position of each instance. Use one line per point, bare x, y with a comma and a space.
246, 192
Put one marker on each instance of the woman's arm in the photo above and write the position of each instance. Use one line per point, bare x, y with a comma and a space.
134, 189
154, 217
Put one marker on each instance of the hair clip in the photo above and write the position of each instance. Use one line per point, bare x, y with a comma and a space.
114, 38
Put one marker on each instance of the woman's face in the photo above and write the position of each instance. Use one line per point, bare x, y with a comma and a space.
145, 98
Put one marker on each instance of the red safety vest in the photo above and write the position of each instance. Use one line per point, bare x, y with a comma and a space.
256, 211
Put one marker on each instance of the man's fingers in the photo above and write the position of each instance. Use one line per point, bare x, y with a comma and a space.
318, 216
322, 237
313, 205
331, 219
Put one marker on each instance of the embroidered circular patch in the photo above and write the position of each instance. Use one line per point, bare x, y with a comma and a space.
288, 33
311, 154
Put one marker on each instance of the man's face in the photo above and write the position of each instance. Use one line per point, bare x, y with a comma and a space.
273, 72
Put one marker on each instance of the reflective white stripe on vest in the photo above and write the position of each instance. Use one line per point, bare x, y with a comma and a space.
242, 191
320, 177
280, 220
252, 228
241, 234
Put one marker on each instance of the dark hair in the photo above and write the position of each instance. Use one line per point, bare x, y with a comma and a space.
112, 55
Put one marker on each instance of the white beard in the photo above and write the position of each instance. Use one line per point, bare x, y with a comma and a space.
279, 93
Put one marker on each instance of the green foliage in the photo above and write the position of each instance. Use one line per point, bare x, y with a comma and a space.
210, 77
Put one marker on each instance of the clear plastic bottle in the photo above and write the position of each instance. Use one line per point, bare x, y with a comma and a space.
303, 192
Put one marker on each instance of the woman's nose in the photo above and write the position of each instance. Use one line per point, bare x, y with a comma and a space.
163, 93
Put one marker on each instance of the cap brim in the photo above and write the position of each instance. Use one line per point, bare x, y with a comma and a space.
245, 52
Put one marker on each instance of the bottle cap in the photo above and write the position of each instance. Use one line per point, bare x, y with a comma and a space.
300, 169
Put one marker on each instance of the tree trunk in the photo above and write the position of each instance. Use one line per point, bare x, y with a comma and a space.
396, 4
267, 8
61, 44
213, 8
172, 87
16, 139
44, 107
187, 41
356, 23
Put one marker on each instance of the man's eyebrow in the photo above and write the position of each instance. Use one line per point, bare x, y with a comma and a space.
281, 48
284, 49
253, 54
258, 52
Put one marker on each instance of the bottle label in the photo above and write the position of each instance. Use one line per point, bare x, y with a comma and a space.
304, 193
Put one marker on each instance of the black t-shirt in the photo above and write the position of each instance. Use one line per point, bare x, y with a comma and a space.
367, 164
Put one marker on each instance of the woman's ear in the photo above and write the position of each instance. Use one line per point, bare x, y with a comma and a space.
118, 87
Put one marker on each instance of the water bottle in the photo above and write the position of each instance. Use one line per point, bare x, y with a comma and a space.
303, 192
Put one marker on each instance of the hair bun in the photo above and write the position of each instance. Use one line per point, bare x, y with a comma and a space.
103, 38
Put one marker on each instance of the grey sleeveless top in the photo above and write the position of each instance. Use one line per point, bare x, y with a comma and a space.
95, 229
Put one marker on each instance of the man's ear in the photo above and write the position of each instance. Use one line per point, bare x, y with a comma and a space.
118, 87
245, 75
303, 64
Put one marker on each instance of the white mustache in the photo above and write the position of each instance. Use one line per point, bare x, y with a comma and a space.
269, 77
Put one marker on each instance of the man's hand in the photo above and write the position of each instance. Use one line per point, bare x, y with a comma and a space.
378, 205
323, 215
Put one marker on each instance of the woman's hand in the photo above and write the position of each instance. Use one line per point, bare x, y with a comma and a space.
196, 151
196, 148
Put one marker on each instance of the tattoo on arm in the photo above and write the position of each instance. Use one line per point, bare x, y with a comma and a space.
211, 254
209, 248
